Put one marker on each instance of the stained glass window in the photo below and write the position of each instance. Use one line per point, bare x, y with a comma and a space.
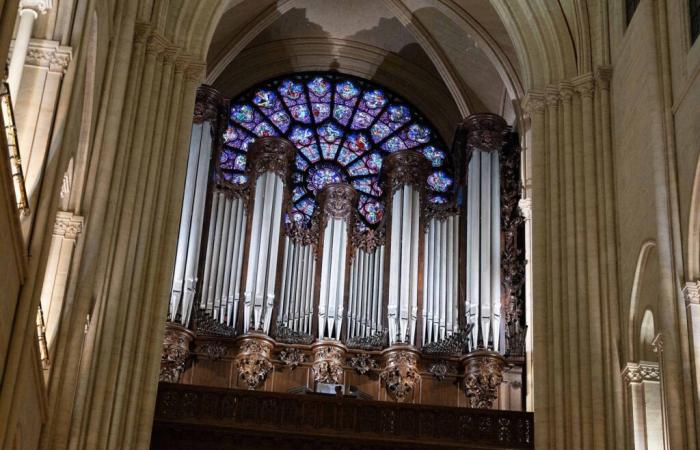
342, 127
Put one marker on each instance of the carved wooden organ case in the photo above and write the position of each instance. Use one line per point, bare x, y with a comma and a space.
325, 225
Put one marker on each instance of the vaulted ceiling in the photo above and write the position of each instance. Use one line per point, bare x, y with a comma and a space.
448, 57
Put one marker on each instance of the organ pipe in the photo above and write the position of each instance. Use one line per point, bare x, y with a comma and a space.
338, 202
269, 159
364, 317
297, 286
209, 103
406, 173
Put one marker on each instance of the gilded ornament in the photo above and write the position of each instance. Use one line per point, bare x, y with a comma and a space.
400, 374
483, 374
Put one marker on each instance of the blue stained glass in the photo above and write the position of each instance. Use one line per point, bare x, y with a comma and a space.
439, 181
301, 163
297, 193
265, 99
368, 186
291, 90
380, 131
374, 99
319, 86
242, 113
320, 176
436, 157
281, 120
301, 136
361, 227
394, 144
264, 129
342, 114
372, 210
418, 133
240, 162
300, 113
361, 120
311, 152
321, 111
347, 90
355, 125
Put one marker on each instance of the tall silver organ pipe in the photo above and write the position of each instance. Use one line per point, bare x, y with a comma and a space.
366, 291
182, 295
483, 251
223, 260
297, 291
440, 279
338, 202
269, 159
406, 172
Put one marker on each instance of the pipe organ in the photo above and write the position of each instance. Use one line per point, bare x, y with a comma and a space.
298, 235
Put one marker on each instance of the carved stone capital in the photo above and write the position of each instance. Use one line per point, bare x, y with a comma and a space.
400, 374
642, 371
48, 54
405, 167
533, 103
691, 292
328, 362
37, 6
270, 154
176, 350
483, 374
585, 87
657, 344
566, 91
552, 97
253, 360
338, 200
67, 225
485, 132
208, 104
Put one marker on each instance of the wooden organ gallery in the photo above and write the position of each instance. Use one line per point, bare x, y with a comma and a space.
330, 242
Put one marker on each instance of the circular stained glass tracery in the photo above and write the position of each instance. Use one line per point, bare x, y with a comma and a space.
342, 127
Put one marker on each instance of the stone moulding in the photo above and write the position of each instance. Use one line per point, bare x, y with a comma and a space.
176, 351
483, 374
400, 374
328, 361
253, 360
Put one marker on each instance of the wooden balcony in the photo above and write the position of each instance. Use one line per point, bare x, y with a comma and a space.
196, 417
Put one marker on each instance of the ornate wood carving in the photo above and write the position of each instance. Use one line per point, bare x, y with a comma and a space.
176, 350
199, 418
363, 363
253, 359
338, 200
440, 369
214, 350
512, 251
455, 344
405, 167
485, 132
483, 373
439, 211
208, 105
369, 240
292, 357
328, 362
270, 154
400, 374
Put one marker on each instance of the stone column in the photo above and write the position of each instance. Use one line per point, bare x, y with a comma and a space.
643, 383
29, 10
691, 292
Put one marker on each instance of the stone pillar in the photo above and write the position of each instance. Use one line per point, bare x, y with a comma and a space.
691, 292
65, 234
405, 178
29, 10
646, 407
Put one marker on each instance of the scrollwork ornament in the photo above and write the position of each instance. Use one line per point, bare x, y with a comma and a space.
253, 360
214, 350
369, 240
483, 374
440, 369
176, 351
328, 362
400, 374
363, 363
292, 357
270, 154
485, 132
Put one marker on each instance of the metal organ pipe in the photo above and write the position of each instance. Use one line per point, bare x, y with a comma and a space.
270, 159
338, 201
365, 293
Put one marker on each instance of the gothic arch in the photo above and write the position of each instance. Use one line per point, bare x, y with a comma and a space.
693, 271
639, 306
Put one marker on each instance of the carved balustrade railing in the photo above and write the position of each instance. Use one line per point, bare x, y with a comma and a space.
194, 417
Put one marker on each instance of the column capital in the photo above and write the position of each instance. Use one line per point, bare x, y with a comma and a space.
67, 225
533, 103
642, 371
38, 6
691, 292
